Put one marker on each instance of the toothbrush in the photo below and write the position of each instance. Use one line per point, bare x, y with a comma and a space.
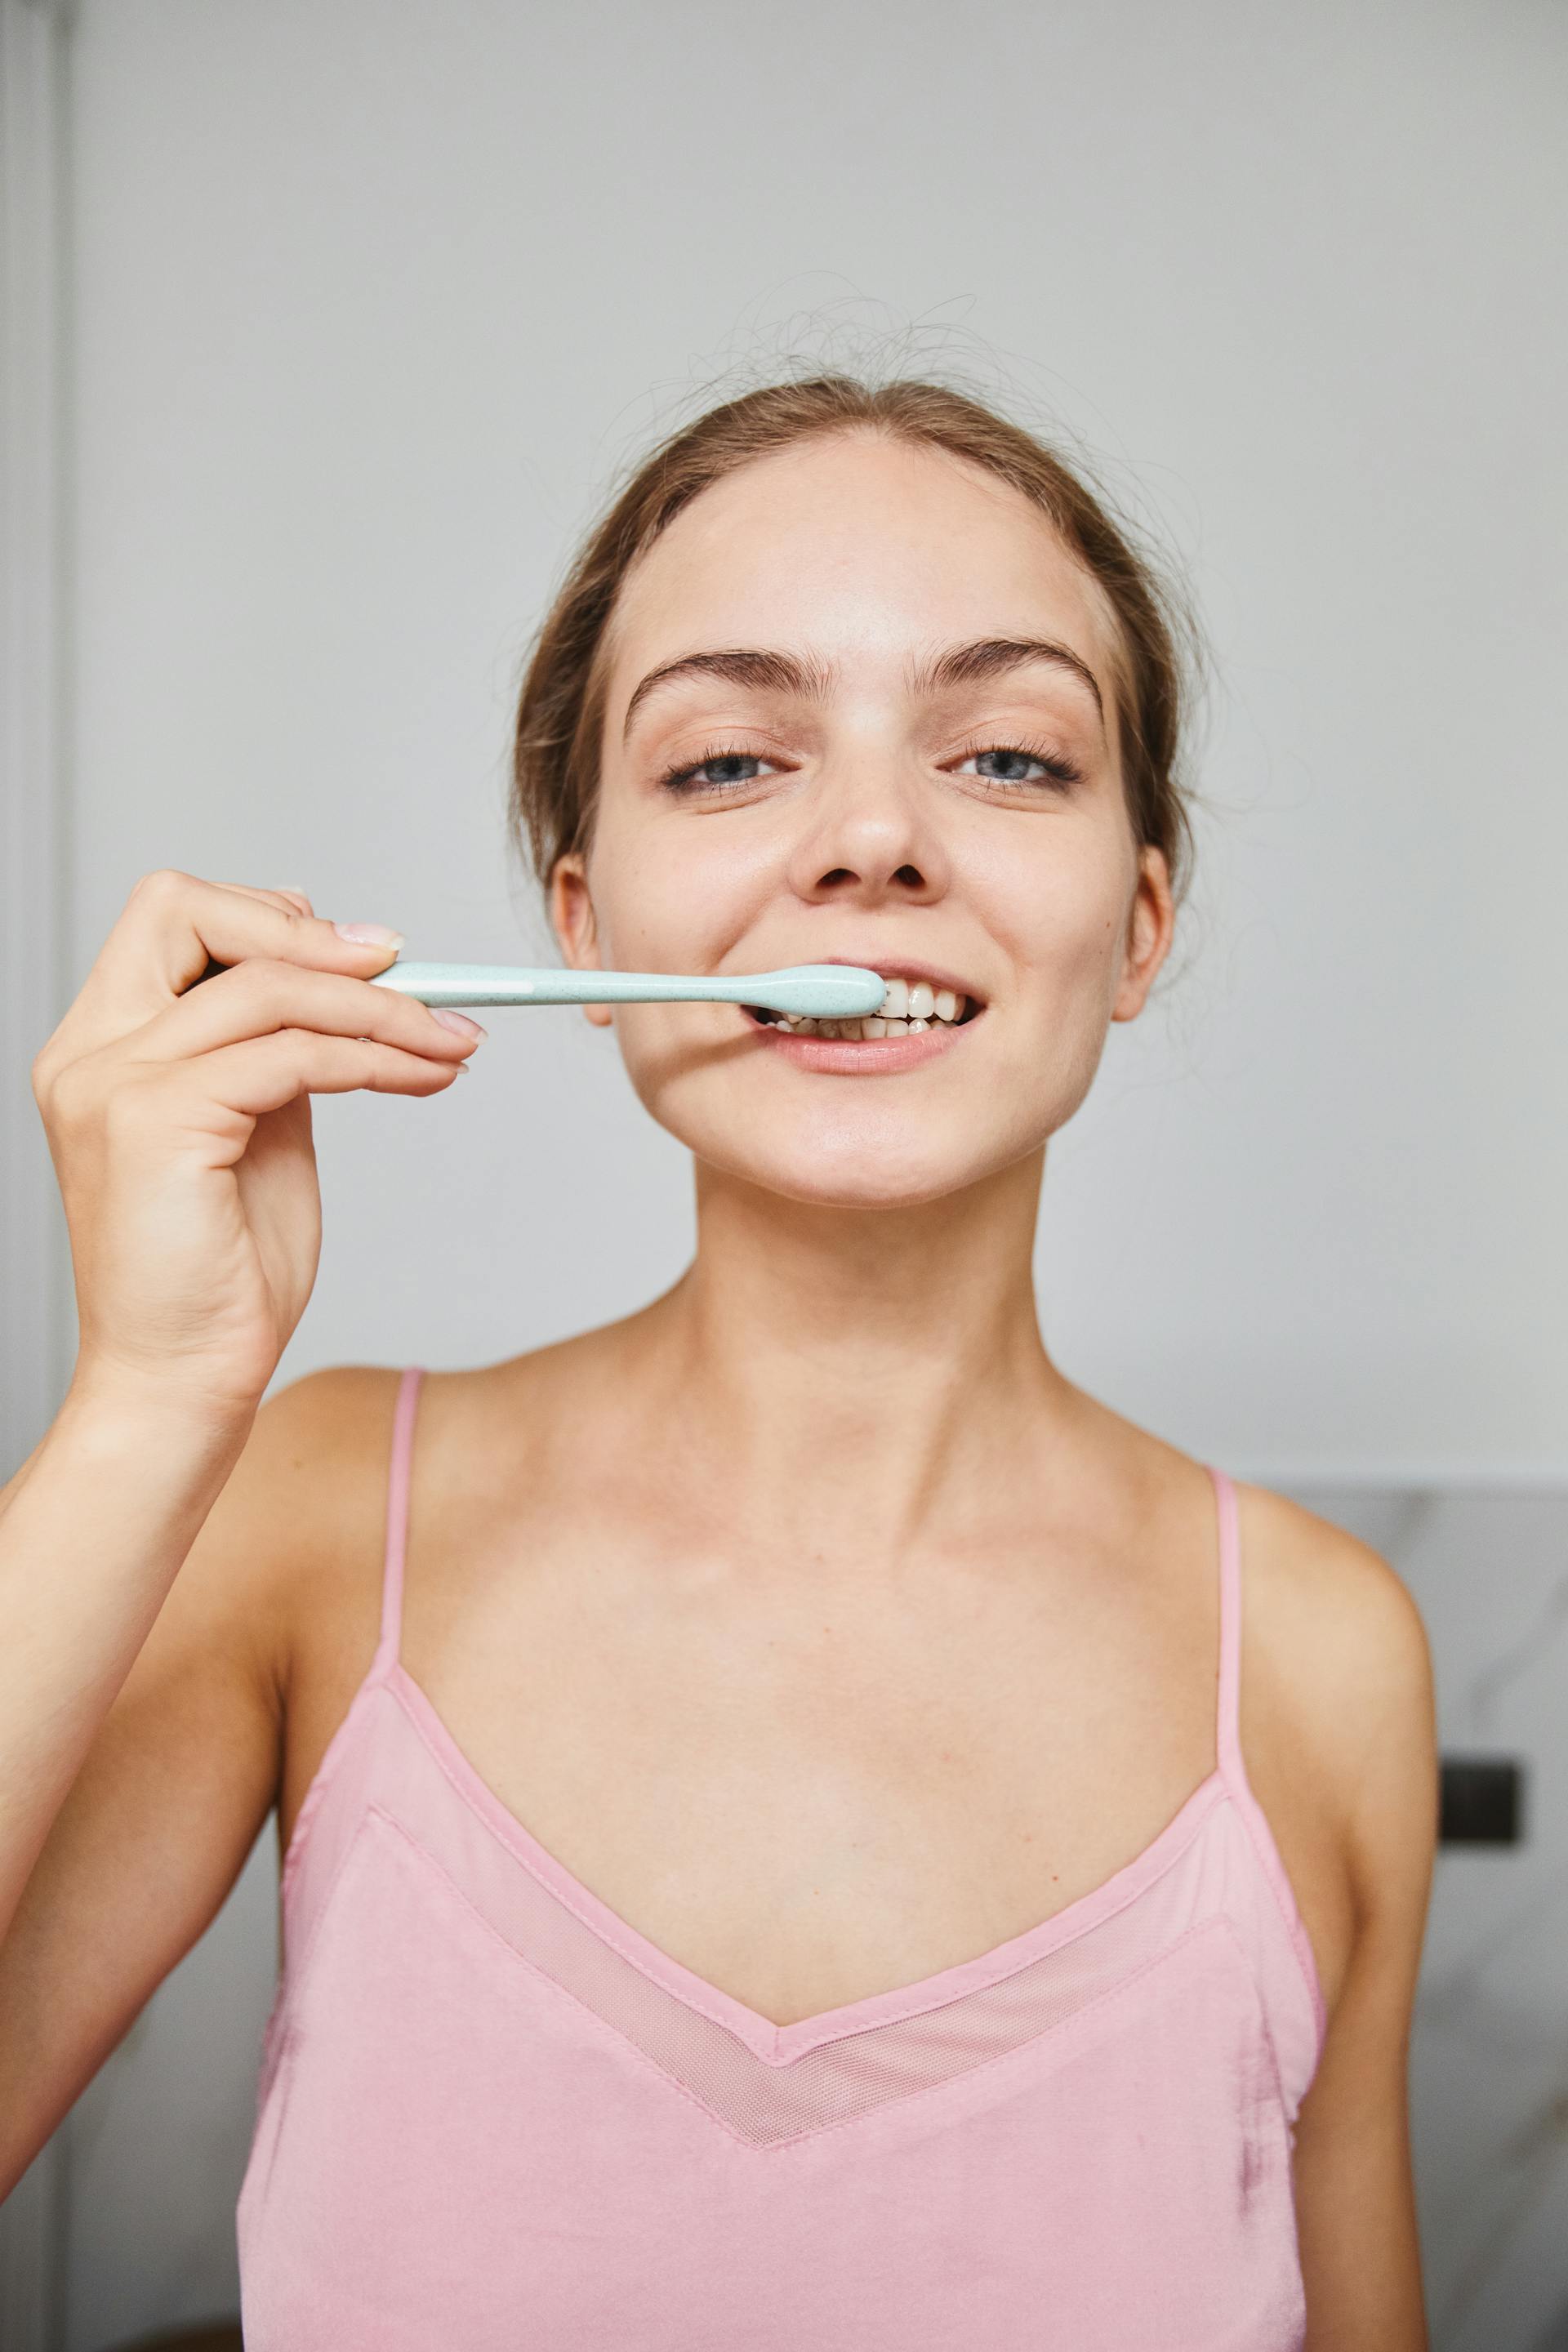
829, 992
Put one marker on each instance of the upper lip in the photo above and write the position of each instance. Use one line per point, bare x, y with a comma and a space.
901, 967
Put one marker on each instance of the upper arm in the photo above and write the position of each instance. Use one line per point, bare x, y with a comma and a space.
172, 1792
1354, 2197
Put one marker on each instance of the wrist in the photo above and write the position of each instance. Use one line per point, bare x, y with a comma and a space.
111, 1406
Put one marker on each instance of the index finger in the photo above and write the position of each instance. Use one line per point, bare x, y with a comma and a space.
175, 927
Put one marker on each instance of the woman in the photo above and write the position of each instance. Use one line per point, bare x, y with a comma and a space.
792, 1838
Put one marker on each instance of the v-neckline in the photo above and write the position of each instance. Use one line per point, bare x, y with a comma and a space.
775, 2044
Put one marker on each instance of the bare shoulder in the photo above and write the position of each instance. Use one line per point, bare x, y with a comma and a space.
1337, 1660
315, 1438
1320, 1595
317, 1470
1341, 1748
305, 1501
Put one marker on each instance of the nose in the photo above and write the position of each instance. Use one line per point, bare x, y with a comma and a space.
869, 835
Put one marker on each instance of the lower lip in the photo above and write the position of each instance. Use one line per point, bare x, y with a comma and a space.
864, 1058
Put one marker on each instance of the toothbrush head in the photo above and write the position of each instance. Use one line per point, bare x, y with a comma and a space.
828, 992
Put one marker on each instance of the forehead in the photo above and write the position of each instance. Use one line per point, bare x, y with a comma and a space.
855, 543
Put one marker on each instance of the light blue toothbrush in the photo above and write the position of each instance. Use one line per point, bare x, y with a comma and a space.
828, 992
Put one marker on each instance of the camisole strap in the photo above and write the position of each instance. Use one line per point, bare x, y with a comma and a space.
1227, 1729
398, 1514
1232, 1769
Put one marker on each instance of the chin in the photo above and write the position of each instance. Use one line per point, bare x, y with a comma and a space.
843, 1171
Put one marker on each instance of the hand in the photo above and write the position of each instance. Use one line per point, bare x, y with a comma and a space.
179, 1120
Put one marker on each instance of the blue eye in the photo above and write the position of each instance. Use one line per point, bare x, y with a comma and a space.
1012, 758
716, 772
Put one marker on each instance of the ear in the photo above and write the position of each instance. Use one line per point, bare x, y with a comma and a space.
1151, 925
576, 929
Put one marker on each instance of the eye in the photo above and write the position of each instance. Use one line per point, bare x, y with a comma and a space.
718, 771
1010, 760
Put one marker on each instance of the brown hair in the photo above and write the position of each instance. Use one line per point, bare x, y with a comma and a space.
560, 717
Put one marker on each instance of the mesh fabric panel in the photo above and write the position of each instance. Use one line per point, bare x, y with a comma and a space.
858, 2069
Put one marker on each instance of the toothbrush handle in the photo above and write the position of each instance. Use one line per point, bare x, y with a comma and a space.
495, 983
834, 991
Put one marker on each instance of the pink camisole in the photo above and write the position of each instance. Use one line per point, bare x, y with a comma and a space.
493, 2117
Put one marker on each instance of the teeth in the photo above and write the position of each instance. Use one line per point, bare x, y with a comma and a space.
917, 1000
908, 1006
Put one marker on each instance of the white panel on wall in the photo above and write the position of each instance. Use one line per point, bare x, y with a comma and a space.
372, 297
1490, 2056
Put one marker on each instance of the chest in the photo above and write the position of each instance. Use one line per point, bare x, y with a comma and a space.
809, 1793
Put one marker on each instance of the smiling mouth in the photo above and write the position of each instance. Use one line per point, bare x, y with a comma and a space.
909, 1008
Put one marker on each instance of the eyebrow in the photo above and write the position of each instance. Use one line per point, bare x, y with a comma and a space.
994, 657
764, 670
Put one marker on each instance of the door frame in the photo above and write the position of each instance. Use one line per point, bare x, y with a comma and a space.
36, 38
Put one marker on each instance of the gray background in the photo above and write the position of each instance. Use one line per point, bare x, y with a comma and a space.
371, 297
366, 299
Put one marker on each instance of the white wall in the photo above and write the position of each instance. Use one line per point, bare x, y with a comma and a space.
373, 293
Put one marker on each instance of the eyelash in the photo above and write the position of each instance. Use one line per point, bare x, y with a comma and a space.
1059, 771
1062, 771
674, 779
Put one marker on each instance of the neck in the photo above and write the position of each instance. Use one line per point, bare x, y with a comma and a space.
850, 1376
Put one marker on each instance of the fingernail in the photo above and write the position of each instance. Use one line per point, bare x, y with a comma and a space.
458, 1021
368, 935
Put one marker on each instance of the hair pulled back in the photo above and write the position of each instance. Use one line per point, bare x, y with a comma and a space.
560, 711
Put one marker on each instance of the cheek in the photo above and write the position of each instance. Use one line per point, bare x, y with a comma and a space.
674, 896
1058, 916
671, 898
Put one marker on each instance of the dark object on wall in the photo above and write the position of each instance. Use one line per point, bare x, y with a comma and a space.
218, 2335
1482, 1801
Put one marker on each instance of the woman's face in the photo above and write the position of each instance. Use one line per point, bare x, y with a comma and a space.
835, 731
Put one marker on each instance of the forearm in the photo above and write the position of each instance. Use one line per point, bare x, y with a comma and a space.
93, 1530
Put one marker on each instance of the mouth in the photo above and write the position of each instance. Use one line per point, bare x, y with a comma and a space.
920, 1002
